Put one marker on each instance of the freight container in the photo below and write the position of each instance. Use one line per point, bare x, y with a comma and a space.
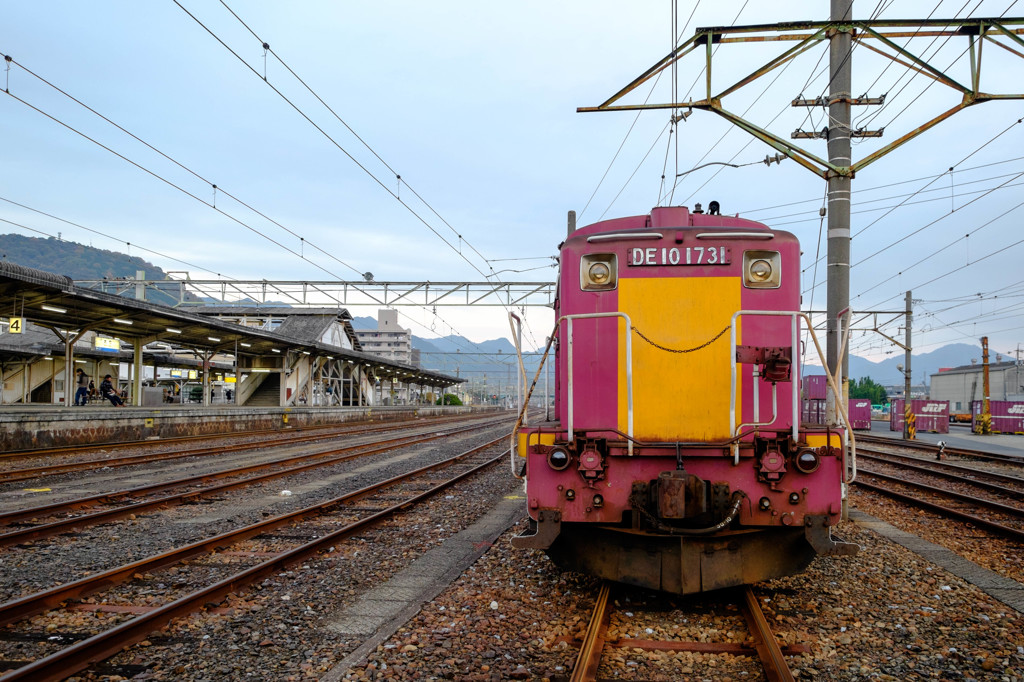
813, 411
1007, 415
860, 414
815, 387
930, 415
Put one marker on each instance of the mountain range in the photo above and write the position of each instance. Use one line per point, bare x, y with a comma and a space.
494, 359
923, 365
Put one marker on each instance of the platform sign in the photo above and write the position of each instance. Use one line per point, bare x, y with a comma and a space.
175, 373
15, 325
106, 344
193, 374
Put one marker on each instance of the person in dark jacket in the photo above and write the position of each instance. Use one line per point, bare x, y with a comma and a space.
82, 393
108, 392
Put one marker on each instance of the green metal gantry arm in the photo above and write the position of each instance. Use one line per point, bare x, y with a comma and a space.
808, 35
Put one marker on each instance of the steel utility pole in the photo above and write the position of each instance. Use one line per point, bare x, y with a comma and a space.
907, 377
839, 183
985, 425
880, 36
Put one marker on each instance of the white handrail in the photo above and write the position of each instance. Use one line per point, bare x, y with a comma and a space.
849, 471
629, 370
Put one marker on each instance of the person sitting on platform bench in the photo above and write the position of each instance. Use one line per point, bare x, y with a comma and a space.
108, 392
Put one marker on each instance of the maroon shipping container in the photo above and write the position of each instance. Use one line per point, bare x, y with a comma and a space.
931, 415
813, 411
1007, 415
815, 387
860, 414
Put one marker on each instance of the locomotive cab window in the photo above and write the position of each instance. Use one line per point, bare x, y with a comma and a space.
762, 269
598, 272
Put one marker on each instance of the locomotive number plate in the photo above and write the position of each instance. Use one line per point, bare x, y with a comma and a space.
681, 255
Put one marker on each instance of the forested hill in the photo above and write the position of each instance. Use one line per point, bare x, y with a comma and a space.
77, 261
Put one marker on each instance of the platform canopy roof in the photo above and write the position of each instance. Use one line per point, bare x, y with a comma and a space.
54, 301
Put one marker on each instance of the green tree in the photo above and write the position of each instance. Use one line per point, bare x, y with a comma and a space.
450, 399
866, 388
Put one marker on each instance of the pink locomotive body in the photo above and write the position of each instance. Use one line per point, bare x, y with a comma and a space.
675, 459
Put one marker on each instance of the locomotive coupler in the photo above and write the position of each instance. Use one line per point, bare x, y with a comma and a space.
679, 495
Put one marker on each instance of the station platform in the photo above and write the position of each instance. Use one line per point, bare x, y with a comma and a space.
25, 427
959, 437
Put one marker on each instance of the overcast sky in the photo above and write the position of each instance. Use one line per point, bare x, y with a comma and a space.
474, 104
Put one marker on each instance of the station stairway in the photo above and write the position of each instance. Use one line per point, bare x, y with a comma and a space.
268, 394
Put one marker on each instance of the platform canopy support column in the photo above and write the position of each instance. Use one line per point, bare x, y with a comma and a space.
137, 372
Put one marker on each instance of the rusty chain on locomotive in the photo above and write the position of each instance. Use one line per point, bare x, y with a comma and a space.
680, 350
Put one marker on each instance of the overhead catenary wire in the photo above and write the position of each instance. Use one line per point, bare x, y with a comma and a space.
395, 194
867, 208
972, 153
887, 185
102, 234
210, 204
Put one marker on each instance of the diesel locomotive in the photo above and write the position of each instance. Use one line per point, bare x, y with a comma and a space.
675, 458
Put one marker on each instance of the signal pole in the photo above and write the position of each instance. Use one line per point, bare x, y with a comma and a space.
839, 189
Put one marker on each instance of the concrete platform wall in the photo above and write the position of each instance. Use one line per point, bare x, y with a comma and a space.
26, 428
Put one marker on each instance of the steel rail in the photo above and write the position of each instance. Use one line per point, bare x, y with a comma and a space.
766, 647
15, 515
589, 657
930, 447
955, 473
775, 667
991, 526
87, 447
81, 655
31, 473
960, 497
68, 524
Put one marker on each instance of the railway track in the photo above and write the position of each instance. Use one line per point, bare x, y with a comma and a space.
933, 450
192, 488
951, 490
277, 438
129, 591
597, 642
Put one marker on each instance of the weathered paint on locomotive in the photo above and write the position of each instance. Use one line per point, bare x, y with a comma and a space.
679, 278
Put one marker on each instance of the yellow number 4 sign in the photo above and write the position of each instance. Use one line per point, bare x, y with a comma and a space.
16, 325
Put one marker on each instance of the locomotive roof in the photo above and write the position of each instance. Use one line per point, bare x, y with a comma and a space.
672, 217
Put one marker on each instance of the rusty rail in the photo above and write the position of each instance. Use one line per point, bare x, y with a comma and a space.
81, 655
765, 645
30, 473
67, 524
991, 526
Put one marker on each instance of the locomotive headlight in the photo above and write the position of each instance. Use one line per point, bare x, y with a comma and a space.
558, 458
598, 272
807, 461
762, 269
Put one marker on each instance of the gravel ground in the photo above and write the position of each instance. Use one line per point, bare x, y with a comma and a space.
66, 486
280, 629
993, 552
884, 614
56, 560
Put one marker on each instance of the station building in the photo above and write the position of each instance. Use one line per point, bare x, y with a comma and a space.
276, 356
